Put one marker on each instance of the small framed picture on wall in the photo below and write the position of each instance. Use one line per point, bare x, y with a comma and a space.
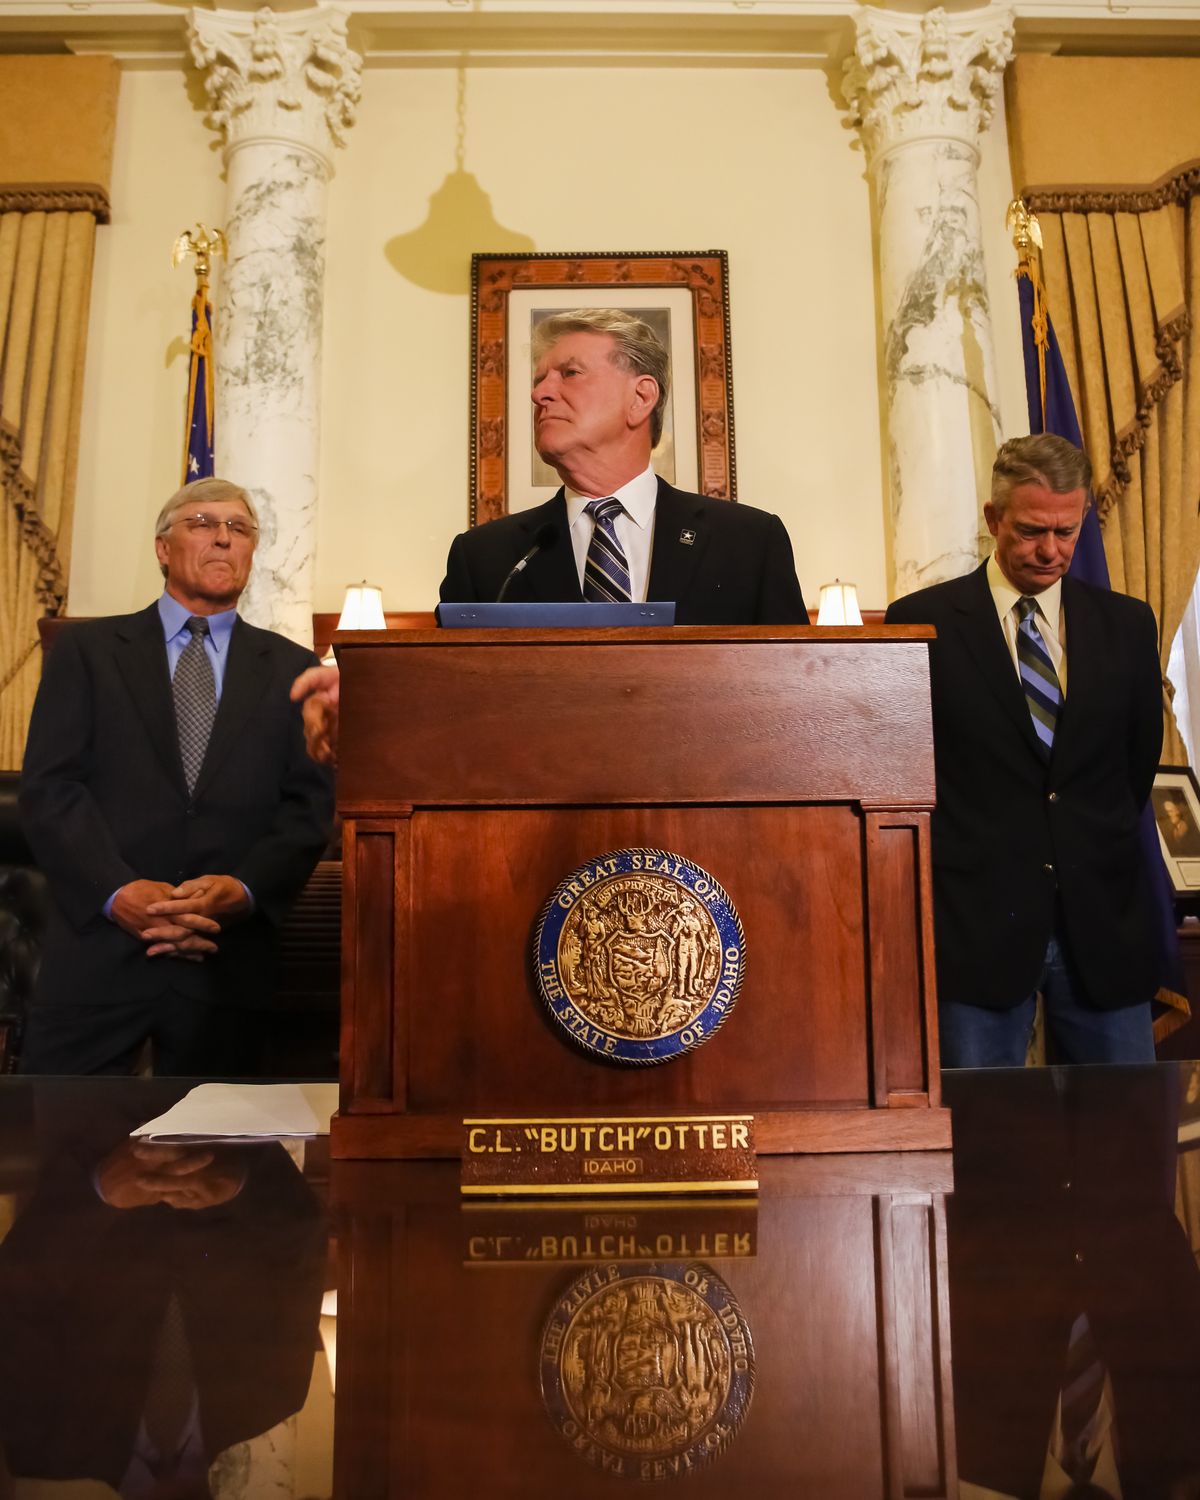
1176, 802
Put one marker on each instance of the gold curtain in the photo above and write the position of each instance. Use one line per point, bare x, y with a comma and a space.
1104, 150
45, 271
57, 124
1122, 272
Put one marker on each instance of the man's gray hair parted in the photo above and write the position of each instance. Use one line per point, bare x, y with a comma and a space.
637, 348
197, 492
1043, 459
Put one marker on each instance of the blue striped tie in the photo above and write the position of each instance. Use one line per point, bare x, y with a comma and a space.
1038, 677
606, 571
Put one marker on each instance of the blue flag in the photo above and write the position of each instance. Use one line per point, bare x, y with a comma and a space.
198, 417
1052, 409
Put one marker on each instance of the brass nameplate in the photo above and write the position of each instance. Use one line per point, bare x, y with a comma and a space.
544, 1233
643, 1154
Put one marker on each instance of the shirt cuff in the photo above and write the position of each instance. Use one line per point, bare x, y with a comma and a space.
248, 891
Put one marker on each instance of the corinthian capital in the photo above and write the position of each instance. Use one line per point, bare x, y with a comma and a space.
914, 77
285, 76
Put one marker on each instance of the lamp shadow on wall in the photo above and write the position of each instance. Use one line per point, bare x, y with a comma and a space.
437, 255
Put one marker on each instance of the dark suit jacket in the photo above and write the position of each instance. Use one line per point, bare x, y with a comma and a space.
104, 801
1018, 843
737, 569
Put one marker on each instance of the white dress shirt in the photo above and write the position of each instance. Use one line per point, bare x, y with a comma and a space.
1050, 621
635, 528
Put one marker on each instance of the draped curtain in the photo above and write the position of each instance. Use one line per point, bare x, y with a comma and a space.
57, 120
1122, 275
45, 271
1106, 152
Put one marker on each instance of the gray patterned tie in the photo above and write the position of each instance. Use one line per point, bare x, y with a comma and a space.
195, 691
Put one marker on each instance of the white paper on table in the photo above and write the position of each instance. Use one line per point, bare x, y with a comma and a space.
245, 1112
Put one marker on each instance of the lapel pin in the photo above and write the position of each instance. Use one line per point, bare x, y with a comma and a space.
687, 536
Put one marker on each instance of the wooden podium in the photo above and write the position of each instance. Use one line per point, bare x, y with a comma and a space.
479, 768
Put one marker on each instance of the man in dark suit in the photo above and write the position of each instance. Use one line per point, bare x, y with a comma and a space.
1042, 774
599, 393
167, 797
615, 531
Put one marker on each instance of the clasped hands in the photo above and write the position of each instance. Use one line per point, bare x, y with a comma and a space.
138, 1174
180, 921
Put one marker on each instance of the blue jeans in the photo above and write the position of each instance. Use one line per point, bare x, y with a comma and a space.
974, 1037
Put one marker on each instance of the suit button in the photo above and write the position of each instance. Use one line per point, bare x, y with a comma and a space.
1053, 797
1049, 869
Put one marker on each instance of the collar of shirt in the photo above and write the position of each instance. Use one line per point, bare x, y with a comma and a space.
635, 528
174, 618
1051, 625
1049, 601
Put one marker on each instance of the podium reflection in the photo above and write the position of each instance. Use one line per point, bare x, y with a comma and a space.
787, 1345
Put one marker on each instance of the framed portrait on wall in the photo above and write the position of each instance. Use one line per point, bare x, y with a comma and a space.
684, 296
1176, 802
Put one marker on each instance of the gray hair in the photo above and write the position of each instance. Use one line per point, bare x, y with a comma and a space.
1043, 459
638, 348
197, 493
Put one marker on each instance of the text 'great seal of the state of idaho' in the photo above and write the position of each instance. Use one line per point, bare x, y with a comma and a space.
639, 955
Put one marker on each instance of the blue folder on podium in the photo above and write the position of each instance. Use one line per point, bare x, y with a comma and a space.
566, 616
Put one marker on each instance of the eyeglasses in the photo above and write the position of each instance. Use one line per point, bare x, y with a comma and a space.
206, 524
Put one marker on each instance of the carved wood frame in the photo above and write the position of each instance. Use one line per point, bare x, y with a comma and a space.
599, 277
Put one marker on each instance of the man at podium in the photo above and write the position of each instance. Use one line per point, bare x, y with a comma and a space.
615, 532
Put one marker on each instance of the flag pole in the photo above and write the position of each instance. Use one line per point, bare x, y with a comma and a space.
203, 247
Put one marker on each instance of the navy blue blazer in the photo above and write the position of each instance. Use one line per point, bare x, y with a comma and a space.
1018, 844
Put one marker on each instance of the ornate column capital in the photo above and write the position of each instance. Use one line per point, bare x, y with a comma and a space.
289, 77
926, 77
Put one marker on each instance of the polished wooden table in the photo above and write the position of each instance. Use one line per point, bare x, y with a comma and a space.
887, 1325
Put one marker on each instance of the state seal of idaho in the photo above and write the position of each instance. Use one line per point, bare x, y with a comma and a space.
647, 1369
639, 955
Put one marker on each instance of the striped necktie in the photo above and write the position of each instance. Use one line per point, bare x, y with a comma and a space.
194, 688
606, 571
1038, 677
1085, 1407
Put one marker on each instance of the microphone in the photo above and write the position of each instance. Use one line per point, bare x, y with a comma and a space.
544, 538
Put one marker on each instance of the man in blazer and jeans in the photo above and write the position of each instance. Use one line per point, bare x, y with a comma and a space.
1047, 728
169, 801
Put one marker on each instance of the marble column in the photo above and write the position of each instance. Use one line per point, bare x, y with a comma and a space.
921, 89
283, 88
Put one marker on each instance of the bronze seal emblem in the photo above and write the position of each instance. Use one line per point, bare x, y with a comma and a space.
647, 1369
639, 955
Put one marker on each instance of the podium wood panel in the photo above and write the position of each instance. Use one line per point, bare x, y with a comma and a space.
480, 768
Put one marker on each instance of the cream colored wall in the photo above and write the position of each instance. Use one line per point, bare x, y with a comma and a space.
165, 177
755, 161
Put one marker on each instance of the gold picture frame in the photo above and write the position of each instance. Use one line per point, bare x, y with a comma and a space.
683, 294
